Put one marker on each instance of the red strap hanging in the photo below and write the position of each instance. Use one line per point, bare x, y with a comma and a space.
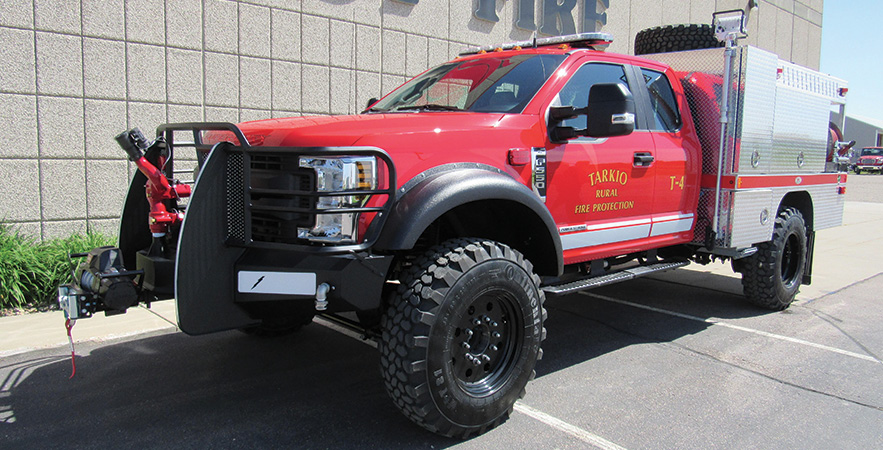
69, 324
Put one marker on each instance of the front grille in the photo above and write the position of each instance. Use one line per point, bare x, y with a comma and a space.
281, 198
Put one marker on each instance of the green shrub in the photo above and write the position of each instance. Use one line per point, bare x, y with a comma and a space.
30, 270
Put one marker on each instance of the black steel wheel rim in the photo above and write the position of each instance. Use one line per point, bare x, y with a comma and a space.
790, 260
485, 343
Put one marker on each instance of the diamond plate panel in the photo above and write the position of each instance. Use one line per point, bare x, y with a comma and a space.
746, 217
779, 116
800, 133
752, 218
778, 121
705, 212
808, 80
827, 204
754, 136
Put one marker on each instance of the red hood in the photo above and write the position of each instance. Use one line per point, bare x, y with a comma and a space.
415, 141
335, 131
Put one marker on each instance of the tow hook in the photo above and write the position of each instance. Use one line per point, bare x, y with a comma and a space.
322, 296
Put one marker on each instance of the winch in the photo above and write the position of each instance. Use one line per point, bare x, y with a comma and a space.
101, 283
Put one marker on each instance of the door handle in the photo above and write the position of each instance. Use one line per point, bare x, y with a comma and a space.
643, 159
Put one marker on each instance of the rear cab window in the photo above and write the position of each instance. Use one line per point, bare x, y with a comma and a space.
663, 104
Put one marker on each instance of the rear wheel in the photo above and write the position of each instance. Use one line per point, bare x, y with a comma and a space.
461, 336
772, 276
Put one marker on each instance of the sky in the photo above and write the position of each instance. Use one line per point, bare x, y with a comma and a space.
851, 49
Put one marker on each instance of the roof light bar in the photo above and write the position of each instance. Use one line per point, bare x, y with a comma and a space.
596, 41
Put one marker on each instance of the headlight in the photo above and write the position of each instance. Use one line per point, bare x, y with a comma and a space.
346, 175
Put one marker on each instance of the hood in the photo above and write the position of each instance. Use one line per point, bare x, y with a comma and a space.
338, 131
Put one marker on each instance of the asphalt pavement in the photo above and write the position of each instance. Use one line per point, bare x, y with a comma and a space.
675, 361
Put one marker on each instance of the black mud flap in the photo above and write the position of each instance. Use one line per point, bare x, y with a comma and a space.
204, 279
810, 250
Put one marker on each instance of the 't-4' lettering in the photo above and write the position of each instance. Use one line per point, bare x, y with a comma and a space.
676, 182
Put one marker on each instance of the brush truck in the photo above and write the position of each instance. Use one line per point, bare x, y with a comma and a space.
439, 220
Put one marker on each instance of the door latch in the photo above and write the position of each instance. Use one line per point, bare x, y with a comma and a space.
643, 159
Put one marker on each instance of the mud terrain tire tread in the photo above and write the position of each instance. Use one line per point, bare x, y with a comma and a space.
762, 279
675, 38
412, 324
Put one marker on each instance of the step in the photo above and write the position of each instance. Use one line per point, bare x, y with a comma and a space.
610, 278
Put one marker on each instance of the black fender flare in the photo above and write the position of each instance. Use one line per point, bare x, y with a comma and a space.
431, 194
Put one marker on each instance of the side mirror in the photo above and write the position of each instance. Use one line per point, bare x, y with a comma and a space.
610, 112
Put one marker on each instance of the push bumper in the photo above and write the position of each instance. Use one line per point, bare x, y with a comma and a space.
219, 267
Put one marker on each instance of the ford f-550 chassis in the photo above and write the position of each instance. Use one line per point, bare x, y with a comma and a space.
446, 213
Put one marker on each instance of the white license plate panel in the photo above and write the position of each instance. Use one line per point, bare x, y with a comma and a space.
282, 283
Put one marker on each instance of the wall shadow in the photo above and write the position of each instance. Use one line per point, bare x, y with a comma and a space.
315, 389
582, 327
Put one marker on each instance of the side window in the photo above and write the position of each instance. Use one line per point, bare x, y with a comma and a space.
662, 99
576, 92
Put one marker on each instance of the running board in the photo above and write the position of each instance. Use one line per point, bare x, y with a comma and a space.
351, 325
616, 277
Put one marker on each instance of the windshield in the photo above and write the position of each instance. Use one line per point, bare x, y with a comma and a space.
872, 152
500, 84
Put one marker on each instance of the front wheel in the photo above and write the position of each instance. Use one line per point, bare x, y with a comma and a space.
858, 171
772, 276
461, 336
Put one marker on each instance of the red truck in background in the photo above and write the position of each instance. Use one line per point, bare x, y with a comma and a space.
445, 213
870, 159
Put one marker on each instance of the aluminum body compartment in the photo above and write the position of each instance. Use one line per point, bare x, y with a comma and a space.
775, 142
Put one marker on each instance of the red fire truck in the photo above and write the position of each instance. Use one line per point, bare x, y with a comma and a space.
440, 219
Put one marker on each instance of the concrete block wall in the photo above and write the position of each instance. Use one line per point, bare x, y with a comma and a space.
77, 72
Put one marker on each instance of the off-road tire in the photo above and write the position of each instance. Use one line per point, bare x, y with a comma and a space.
675, 38
858, 171
463, 301
278, 327
772, 276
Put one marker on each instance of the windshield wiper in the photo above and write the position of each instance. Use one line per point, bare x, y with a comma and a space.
430, 107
